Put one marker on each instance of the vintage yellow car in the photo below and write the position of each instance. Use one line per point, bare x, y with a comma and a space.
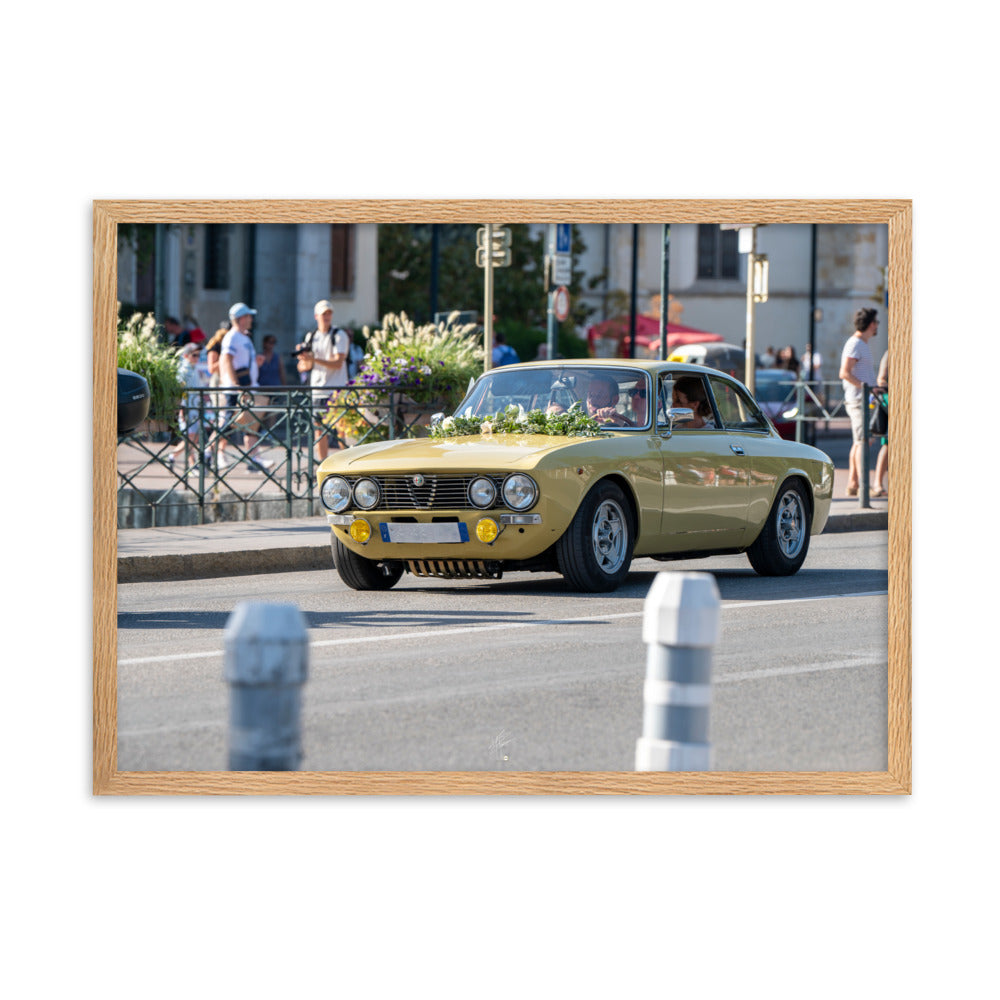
566, 467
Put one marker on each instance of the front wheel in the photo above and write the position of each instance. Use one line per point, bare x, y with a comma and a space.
364, 574
596, 550
781, 546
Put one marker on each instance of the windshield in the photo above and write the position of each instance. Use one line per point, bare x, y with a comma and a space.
615, 397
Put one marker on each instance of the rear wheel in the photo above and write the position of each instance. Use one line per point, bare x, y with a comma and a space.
364, 574
781, 547
595, 552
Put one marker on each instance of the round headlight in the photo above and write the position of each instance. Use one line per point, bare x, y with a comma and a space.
482, 493
366, 493
335, 493
519, 491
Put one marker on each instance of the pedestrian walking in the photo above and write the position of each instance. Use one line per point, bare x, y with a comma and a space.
174, 331
238, 372
882, 462
323, 356
189, 415
270, 372
503, 353
787, 359
857, 369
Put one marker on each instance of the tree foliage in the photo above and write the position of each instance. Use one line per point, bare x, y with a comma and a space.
405, 262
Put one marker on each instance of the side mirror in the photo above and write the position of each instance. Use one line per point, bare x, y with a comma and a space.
436, 418
133, 400
678, 415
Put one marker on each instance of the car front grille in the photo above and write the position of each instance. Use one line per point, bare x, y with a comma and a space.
435, 493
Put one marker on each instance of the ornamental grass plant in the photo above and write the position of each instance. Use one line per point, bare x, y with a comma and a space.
143, 351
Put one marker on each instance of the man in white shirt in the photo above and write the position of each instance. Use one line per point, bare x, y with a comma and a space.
856, 369
238, 370
324, 355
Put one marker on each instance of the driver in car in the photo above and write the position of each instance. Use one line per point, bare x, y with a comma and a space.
602, 395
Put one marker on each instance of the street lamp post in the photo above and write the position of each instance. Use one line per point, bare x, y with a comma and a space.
757, 274
664, 291
749, 366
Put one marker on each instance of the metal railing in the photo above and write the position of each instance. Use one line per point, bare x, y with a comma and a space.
254, 455
249, 454
808, 404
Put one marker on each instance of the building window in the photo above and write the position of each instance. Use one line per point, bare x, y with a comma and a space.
342, 258
718, 252
217, 257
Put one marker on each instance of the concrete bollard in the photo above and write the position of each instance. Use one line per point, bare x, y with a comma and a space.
266, 663
680, 625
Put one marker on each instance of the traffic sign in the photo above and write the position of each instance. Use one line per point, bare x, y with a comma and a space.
501, 238
499, 247
562, 269
499, 258
564, 238
560, 303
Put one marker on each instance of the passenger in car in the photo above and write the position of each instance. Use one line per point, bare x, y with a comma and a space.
640, 409
689, 392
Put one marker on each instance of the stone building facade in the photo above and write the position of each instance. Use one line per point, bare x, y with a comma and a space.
280, 270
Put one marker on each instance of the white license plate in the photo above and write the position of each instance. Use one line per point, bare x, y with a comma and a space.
449, 531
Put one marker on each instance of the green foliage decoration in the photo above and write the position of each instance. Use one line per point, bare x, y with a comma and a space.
141, 349
516, 420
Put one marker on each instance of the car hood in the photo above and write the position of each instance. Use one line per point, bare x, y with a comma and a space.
499, 451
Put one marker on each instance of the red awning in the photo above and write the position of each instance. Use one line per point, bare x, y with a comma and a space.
647, 334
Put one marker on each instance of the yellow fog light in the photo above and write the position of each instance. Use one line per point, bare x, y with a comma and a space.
361, 530
487, 530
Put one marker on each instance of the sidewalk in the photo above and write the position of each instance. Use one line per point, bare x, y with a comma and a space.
235, 548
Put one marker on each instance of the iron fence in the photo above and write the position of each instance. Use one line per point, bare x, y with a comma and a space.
253, 454
249, 454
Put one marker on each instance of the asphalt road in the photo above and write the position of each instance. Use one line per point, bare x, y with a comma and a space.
520, 674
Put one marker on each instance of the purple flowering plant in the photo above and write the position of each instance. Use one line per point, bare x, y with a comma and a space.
429, 366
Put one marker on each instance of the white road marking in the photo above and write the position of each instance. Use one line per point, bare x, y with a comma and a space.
756, 675
439, 633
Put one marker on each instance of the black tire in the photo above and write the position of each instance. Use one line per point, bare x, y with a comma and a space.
595, 551
781, 546
364, 574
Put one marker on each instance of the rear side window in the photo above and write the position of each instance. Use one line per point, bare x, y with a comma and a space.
737, 410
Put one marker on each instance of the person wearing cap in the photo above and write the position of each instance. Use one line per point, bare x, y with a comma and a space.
190, 419
324, 355
238, 370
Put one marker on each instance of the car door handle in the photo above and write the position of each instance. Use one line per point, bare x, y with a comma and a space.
736, 449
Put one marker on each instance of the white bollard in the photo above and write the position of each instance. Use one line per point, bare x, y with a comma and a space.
680, 625
266, 664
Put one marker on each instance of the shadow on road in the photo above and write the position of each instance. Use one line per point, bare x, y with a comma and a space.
385, 618
733, 584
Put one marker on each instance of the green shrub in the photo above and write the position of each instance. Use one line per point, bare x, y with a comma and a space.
142, 350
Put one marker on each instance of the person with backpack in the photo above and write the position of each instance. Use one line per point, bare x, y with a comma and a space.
503, 353
324, 354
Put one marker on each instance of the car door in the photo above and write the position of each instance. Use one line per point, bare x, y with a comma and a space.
706, 480
748, 434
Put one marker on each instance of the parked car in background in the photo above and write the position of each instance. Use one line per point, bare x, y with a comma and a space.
774, 389
728, 358
575, 467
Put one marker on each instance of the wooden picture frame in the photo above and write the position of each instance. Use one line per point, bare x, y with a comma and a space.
108, 780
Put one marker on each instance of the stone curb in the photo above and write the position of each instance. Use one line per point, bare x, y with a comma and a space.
291, 559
